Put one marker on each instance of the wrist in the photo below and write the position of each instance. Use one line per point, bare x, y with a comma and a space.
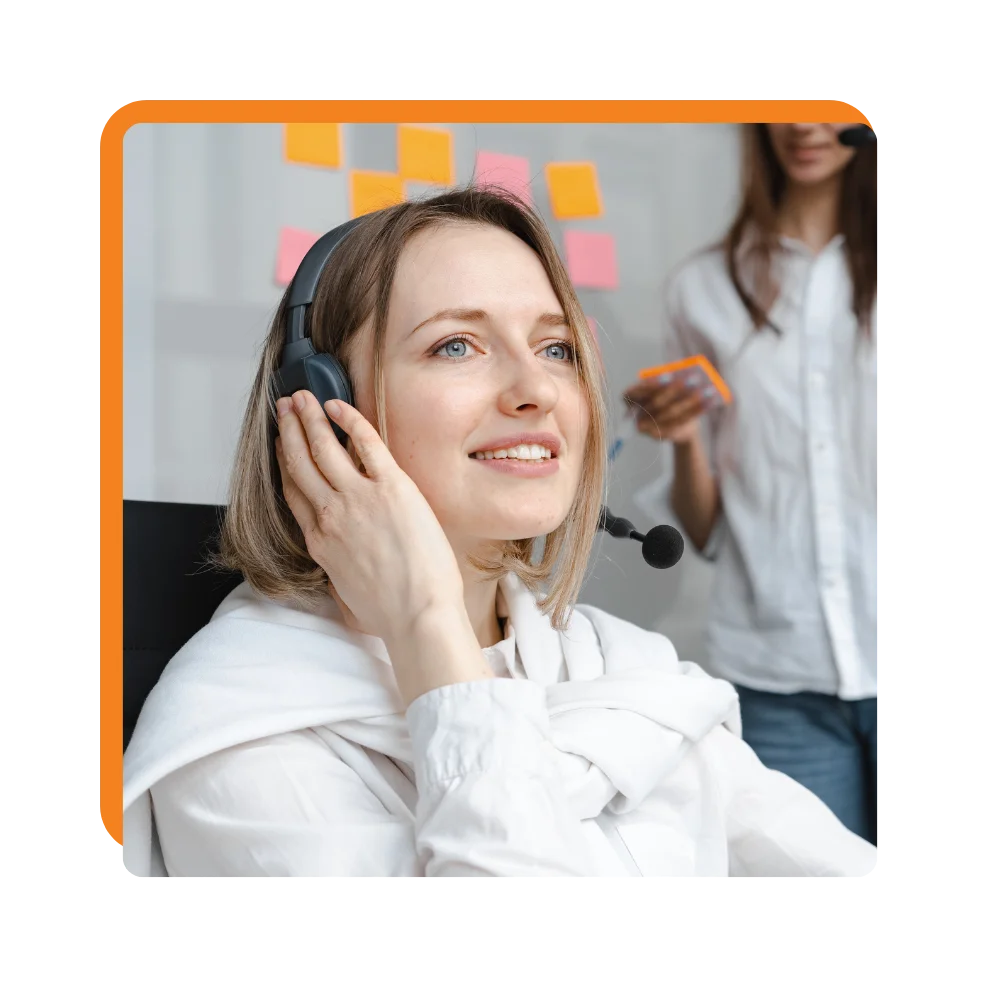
437, 649
429, 624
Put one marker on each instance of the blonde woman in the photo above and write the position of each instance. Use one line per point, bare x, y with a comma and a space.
404, 684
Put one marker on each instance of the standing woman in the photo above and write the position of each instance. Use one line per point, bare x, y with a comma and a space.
779, 488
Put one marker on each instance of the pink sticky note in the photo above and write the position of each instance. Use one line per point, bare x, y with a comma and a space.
591, 259
293, 245
500, 170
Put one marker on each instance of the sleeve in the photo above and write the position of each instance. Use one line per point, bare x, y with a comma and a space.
285, 805
774, 825
488, 800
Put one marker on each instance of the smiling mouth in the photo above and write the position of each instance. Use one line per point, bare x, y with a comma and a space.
524, 453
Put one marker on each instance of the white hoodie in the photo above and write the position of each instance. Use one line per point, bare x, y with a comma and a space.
275, 744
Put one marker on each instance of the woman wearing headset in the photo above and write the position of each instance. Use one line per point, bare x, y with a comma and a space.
391, 692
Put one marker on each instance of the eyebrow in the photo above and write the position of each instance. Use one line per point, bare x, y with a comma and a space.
478, 315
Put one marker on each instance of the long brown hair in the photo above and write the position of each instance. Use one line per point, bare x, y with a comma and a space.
260, 537
752, 239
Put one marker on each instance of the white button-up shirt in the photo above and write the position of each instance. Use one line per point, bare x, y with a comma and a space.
312, 803
793, 605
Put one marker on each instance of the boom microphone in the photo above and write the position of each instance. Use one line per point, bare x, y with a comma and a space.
856, 135
662, 546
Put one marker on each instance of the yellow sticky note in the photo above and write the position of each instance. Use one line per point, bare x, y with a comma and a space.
573, 190
374, 189
316, 144
425, 154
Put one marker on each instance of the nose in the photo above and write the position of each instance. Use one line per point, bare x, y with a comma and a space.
527, 385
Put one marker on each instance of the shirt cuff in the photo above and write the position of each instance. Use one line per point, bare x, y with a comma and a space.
478, 726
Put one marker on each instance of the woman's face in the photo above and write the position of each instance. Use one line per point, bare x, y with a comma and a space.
477, 351
809, 154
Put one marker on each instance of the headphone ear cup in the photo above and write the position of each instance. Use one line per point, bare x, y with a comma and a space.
324, 376
328, 380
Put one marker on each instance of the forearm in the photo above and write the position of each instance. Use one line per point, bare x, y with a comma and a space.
694, 494
440, 649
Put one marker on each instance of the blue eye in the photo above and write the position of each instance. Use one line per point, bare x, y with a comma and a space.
458, 341
566, 347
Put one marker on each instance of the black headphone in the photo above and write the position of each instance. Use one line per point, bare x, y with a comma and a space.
301, 367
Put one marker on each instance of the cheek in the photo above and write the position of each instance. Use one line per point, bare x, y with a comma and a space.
844, 157
426, 436
574, 416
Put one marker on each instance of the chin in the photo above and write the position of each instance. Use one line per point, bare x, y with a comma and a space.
509, 526
813, 173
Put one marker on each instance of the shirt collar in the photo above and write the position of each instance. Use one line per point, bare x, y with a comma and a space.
797, 246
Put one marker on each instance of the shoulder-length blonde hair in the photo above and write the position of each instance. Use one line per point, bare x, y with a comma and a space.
260, 537
749, 261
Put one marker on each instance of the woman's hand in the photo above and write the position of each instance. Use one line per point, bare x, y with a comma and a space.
387, 556
667, 412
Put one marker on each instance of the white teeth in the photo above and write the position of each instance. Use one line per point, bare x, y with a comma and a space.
522, 452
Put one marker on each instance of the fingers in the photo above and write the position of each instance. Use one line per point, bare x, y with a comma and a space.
371, 449
672, 417
660, 400
665, 421
300, 467
327, 453
300, 507
655, 395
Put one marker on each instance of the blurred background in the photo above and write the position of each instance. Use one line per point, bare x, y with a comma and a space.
206, 207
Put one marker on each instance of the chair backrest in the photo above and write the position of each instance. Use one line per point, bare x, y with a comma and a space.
168, 593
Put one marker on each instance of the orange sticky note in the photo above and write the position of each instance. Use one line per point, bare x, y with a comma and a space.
374, 189
425, 154
293, 245
573, 190
316, 144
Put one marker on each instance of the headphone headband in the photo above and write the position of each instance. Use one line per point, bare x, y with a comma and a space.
303, 289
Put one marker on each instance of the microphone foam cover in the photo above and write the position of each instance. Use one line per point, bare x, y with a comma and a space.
857, 135
663, 546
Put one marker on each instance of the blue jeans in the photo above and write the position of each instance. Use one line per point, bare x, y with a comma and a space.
824, 743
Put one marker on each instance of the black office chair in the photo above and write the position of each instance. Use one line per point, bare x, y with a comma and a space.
168, 592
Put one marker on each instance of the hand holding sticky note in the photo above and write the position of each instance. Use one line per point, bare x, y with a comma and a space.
668, 399
695, 373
